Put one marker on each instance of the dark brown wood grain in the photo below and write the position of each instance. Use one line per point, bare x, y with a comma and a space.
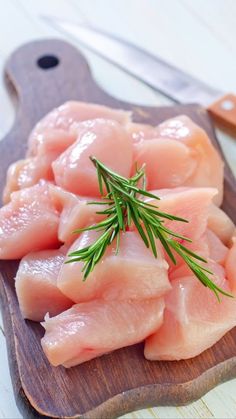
122, 381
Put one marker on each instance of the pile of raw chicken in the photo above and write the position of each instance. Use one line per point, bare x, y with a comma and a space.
131, 296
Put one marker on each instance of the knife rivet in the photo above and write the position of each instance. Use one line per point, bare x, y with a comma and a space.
227, 105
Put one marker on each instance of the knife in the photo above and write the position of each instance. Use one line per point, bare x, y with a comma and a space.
153, 71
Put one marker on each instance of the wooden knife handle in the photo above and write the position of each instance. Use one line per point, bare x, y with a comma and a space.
223, 112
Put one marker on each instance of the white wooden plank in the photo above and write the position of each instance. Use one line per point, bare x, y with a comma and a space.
60, 8
141, 414
7, 108
8, 407
170, 30
218, 403
222, 400
125, 87
24, 27
214, 16
115, 82
196, 410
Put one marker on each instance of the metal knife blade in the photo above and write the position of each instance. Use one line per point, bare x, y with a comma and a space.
150, 69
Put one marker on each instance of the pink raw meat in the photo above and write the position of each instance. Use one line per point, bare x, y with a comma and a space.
131, 274
169, 163
36, 285
194, 320
220, 223
200, 247
28, 172
208, 246
141, 132
217, 250
28, 222
88, 330
75, 212
104, 139
191, 204
59, 127
50, 140
209, 165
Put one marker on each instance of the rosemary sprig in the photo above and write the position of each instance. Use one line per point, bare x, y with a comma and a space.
123, 206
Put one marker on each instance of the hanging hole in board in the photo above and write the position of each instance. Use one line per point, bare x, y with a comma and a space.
48, 61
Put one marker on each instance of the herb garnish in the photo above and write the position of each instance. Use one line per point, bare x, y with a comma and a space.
123, 207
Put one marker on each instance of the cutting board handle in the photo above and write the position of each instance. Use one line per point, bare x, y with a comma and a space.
46, 73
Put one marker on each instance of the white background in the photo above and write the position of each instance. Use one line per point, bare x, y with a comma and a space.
198, 36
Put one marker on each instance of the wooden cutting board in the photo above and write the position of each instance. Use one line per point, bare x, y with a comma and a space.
45, 74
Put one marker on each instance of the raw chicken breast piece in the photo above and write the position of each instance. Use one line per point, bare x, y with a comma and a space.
28, 172
88, 330
217, 250
60, 125
75, 213
208, 246
131, 274
51, 140
230, 265
209, 165
36, 285
141, 132
181, 269
28, 222
107, 141
169, 163
194, 320
220, 223
191, 204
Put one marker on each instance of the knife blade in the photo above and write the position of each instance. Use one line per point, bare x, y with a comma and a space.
152, 70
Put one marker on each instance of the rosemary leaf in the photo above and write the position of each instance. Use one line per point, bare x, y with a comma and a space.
125, 205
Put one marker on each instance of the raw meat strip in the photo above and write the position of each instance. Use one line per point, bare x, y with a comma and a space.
88, 330
133, 273
199, 246
104, 139
220, 223
74, 212
208, 246
191, 204
28, 222
194, 320
168, 163
217, 250
50, 140
141, 132
208, 163
36, 285
60, 125
28, 172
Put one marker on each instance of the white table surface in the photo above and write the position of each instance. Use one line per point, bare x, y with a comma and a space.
196, 35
